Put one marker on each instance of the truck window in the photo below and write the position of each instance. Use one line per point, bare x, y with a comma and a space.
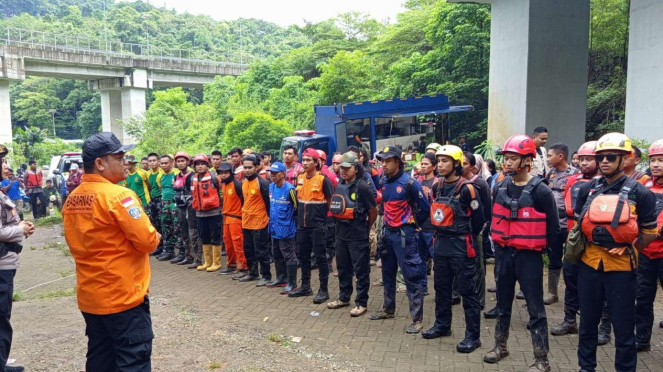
318, 145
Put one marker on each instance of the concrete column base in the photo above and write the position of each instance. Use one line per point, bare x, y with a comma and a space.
644, 84
121, 100
5, 113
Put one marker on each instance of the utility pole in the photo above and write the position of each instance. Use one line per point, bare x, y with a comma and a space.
52, 112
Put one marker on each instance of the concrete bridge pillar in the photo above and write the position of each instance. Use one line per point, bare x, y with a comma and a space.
11, 68
121, 99
538, 68
644, 84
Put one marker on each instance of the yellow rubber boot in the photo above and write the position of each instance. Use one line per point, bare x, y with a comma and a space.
216, 259
207, 257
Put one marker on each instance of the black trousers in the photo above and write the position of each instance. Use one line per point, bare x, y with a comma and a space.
464, 271
120, 342
556, 250
647, 273
618, 288
256, 250
571, 304
313, 239
284, 250
353, 257
6, 295
38, 210
525, 267
208, 230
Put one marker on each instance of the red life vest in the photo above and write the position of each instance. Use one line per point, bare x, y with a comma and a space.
515, 222
607, 220
292, 174
34, 180
446, 214
571, 195
655, 249
205, 192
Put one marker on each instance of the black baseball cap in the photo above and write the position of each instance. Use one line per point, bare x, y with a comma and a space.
101, 144
225, 167
390, 152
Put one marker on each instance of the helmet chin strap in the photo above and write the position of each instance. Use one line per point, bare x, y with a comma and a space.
518, 170
621, 159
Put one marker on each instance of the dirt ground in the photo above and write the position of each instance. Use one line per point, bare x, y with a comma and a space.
49, 331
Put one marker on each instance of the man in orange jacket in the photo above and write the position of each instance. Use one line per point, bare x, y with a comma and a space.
110, 238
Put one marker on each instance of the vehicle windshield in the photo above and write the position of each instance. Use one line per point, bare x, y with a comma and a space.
66, 161
287, 142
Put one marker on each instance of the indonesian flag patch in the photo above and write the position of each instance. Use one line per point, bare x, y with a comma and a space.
128, 202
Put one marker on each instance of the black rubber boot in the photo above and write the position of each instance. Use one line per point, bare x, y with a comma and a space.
321, 297
281, 275
194, 264
167, 255
304, 290
180, 257
253, 273
185, 261
291, 270
157, 253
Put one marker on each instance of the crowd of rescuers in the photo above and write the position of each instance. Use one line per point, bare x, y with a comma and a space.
598, 222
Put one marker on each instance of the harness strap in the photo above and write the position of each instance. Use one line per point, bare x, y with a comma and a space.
623, 194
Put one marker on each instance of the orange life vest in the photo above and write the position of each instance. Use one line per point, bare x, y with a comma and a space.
607, 220
571, 195
205, 192
344, 203
655, 249
34, 180
515, 222
446, 214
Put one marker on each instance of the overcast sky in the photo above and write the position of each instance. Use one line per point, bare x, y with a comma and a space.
284, 12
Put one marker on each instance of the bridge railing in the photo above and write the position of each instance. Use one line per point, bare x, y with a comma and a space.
79, 44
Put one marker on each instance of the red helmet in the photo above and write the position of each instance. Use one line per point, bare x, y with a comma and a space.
201, 158
656, 148
182, 154
520, 144
587, 149
323, 155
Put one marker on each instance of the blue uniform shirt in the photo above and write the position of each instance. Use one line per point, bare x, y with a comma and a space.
396, 203
282, 211
13, 192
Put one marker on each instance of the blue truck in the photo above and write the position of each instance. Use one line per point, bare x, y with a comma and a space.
374, 124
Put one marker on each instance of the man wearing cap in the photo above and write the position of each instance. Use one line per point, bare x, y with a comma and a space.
282, 228
137, 181
74, 178
405, 209
110, 237
314, 191
355, 210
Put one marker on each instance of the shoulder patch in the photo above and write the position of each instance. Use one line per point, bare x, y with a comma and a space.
134, 212
474, 204
128, 202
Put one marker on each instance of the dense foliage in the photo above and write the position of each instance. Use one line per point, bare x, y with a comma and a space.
434, 47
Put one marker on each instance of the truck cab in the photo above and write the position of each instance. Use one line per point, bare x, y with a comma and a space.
375, 124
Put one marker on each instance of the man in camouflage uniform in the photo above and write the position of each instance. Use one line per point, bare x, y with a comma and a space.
169, 214
154, 206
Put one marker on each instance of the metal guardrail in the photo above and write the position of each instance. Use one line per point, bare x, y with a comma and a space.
52, 41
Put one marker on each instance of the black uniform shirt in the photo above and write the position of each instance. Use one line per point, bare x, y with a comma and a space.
357, 228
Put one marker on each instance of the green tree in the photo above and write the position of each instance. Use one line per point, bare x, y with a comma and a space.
293, 103
255, 130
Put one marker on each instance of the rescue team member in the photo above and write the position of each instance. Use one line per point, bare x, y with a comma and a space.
144, 164
154, 208
457, 215
405, 209
235, 155
109, 237
233, 237
367, 176
265, 165
355, 210
169, 218
12, 232
539, 163
331, 233
524, 223
560, 171
137, 181
255, 221
650, 264
293, 168
427, 178
215, 161
588, 170
207, 203
33, 189
630, 165
471, 173
232, 200
432, 148
185, 213
282, 229
314, 192
616, 214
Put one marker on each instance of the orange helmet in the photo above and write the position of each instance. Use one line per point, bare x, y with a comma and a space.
182, 154
587, 149
656, 148
520, 144
202, 158
323, 155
